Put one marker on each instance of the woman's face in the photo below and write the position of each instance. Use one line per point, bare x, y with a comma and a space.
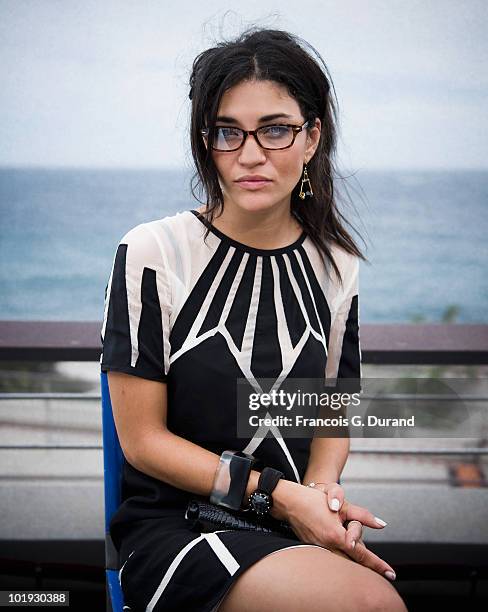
246, 104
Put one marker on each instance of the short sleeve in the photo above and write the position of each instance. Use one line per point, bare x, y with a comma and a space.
344, 350
135, 330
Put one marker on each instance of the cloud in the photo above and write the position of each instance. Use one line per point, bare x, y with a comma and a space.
98, 84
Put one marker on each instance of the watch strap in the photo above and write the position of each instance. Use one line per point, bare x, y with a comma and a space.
268, 479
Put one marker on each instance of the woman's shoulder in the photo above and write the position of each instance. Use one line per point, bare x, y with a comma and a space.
159, 228
152, 238
347, 262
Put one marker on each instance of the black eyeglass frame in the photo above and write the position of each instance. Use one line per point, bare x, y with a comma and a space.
296, 130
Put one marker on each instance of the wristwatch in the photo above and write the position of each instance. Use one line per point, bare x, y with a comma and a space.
261, 500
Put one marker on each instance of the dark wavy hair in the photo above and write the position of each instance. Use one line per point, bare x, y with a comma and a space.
272, 55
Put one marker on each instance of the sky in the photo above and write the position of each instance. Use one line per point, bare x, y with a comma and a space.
105, 83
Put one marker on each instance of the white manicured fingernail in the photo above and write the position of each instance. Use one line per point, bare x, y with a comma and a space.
390, 575
335, 504
353, 543
380, 521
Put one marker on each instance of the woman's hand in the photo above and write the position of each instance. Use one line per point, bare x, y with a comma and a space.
314, 522
347, 511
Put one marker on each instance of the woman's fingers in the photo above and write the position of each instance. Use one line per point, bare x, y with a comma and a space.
354, 533
367, 558
335, 496
333, 491
361, 554
351, 512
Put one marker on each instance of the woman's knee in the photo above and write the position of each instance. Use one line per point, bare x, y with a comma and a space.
381, 596
280, 581
313, 579
368, 591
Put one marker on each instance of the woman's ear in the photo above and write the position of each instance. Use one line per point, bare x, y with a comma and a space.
313, 139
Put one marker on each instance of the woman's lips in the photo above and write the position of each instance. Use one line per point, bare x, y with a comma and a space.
253, 185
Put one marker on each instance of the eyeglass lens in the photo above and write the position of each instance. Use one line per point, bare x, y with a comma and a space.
271, 137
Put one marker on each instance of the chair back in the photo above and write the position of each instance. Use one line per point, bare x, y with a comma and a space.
112, 481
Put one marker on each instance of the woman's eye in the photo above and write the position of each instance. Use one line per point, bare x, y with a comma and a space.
276, 130
228, 131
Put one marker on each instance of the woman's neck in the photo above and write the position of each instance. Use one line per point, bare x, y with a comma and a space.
257, 230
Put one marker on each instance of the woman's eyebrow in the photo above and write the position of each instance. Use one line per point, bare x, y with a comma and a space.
226, 119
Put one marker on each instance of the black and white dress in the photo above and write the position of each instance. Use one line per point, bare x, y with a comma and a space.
199, 314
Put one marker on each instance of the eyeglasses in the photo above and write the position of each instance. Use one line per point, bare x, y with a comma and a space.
272, 137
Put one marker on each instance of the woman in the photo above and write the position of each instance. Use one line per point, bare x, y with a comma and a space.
262, 281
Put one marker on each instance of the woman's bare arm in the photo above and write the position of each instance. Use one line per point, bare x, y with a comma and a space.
140, 409
140, 414
327, 459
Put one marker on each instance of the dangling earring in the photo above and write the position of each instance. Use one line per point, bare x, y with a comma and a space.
305, 179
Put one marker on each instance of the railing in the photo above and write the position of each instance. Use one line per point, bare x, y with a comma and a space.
393, 344
366, 451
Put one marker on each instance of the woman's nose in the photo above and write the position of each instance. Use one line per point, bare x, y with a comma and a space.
251, 151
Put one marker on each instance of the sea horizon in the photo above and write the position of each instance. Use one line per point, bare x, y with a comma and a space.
425, 233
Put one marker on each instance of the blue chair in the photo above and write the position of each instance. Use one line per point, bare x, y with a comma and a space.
112, 471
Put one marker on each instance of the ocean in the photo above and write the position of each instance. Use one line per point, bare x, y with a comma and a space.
425, 238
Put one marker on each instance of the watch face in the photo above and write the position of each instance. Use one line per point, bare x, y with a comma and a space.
260, 502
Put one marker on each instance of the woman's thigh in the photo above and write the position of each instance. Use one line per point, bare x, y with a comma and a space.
312, 579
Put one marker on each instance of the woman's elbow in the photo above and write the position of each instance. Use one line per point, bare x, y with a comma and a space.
145, 451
